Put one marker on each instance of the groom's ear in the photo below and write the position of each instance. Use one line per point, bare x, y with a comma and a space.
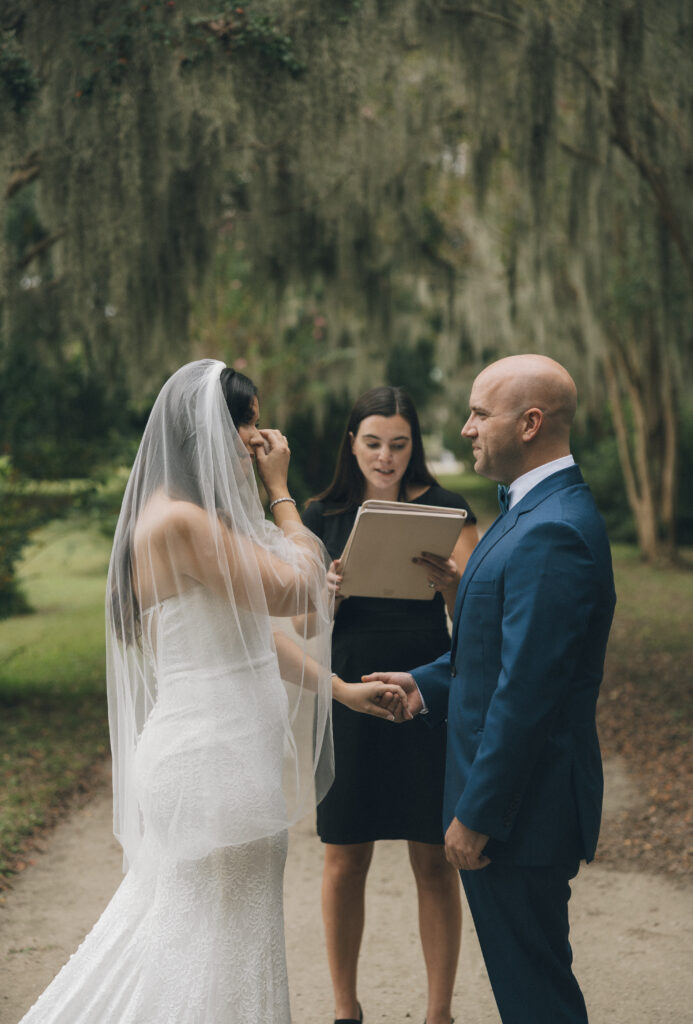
532, 420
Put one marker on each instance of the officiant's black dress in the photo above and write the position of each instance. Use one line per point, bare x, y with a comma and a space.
388, 778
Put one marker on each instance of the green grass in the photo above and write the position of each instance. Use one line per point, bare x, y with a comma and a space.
53, 723
659, 599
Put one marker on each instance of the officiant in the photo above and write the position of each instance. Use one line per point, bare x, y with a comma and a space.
388, 781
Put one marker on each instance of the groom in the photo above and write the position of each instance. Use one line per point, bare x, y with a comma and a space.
523, 788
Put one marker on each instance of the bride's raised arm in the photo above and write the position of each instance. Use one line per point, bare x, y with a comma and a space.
184, 544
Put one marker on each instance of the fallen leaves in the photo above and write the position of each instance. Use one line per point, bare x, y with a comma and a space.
645, 717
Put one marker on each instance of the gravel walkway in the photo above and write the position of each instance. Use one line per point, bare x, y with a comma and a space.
632, 933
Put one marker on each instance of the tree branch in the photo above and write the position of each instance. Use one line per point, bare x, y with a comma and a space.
478, 12
23, 174
515, 26
582, 68
580, 154
652, 174
38, 248
672, 124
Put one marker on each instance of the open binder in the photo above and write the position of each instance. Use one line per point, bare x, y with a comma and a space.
377, 558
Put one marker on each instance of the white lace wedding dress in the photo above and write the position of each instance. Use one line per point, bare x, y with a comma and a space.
195, 939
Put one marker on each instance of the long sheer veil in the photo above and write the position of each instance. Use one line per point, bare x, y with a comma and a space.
192, 537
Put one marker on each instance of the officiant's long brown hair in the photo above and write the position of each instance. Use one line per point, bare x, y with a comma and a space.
346, 489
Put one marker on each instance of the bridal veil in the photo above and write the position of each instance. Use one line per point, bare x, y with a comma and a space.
232, 722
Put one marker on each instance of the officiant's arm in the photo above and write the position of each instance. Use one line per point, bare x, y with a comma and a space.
299, 668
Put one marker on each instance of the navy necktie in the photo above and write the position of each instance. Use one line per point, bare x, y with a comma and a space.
503, 498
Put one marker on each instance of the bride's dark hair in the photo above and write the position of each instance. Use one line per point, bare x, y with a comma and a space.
239, 392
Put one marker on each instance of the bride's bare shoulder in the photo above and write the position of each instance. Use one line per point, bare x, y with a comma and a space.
164, 517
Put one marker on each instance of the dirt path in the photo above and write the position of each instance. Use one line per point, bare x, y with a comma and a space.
632, 933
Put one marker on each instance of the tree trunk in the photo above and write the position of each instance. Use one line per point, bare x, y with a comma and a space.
669, 476
647, 455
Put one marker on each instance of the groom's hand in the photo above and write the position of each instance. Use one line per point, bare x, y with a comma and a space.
464, 847
406, 681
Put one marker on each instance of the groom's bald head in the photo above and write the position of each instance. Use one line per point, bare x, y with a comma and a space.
522, 409
528, 381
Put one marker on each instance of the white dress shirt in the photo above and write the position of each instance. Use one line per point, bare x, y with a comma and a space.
524, 484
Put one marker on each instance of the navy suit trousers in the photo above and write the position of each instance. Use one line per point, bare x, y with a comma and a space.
521, 918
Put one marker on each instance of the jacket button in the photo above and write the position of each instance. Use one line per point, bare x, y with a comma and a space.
453, 671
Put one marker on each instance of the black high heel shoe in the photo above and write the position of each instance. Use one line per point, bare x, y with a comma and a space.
351, 1020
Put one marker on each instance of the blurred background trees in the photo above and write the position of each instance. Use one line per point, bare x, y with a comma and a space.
341, 193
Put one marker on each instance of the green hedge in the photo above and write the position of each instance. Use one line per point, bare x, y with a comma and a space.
25, 505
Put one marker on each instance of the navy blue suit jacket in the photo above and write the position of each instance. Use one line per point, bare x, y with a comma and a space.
519, 687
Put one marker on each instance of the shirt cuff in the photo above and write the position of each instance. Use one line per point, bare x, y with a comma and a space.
424, 709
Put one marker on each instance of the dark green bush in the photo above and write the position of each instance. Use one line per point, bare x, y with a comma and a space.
24, 506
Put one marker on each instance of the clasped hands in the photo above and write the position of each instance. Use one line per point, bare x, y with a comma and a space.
400, 695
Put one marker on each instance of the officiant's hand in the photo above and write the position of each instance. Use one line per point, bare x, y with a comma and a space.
334, 578
442, 574
405, 681
464, 848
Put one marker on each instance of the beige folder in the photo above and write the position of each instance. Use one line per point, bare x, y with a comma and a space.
386, 536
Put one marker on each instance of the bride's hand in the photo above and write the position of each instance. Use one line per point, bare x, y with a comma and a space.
382, 700
272, 460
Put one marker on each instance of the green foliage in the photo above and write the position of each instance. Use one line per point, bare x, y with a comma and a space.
101, 505
60, 416
314, 446
112, 49
61, 419
349, 148
260, 37
601, 468
595, 448
18, 80
413, 367
15, 529
59, 422
24, 506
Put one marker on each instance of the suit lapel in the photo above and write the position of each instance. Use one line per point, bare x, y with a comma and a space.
498, 529
502, 525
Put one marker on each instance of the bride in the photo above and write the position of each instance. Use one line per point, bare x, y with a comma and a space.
219, 719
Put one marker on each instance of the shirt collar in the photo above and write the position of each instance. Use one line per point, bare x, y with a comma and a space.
524, 484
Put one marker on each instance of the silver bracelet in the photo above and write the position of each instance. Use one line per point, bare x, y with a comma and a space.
277, 500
